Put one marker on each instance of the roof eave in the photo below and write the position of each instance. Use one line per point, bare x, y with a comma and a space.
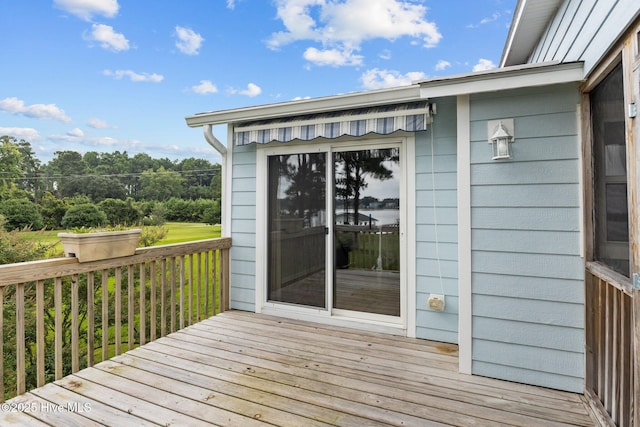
307, 106
515, 77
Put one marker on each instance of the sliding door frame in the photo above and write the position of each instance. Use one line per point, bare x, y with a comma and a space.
402, 325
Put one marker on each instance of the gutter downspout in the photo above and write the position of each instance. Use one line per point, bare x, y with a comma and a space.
214, 142
220, 148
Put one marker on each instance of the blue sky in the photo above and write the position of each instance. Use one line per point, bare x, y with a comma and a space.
107, 75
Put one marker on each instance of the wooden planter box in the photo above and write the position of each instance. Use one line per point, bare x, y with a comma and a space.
100, 245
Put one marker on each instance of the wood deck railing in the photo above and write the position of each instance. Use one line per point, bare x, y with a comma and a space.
60, 316
376, 247
610, 344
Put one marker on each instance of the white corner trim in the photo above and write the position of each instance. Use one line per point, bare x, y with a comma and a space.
410, 196
227, 184
465, 315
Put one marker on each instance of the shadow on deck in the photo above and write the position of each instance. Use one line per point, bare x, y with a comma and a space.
245, 369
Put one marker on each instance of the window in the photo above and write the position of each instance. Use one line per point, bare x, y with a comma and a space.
610, 173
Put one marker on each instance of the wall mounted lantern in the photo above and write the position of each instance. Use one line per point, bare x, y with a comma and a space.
500, 133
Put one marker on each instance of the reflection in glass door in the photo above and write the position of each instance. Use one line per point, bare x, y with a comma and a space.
367, 231
297, 229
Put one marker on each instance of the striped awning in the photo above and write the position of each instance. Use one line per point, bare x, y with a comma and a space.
383, 120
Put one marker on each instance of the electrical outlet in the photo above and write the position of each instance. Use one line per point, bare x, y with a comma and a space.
436, 302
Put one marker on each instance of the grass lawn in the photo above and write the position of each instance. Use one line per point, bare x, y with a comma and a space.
179, 232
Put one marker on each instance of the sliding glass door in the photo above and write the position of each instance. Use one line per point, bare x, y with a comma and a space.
366, 274
297, 229
357, 267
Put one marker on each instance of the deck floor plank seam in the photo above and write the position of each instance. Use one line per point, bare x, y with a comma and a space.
286, 366
246, 369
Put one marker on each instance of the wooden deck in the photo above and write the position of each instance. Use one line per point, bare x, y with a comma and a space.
244, 369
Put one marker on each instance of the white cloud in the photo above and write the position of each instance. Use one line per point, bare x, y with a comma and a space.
98, 124
36, 111
344, 25
75, 133
492, 18
484, 65
133, 76
385, 54
108, 38
28, 134
85, 9
487, 20
442, 65
381, 79
205, 87
231, 4
77, 136
251, 90
333, 57
189, 42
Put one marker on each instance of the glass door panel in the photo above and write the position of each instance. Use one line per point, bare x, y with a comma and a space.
367, 231
297, 229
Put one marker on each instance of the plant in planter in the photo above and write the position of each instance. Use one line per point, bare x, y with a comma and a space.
89, 244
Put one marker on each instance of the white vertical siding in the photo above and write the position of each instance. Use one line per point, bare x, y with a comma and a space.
527, 273
243, 228
584, 30
439, 326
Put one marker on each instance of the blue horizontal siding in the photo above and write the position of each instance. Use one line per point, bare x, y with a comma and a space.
527, 273
584, 30
437, 224
243, 228
526, 241
529, 288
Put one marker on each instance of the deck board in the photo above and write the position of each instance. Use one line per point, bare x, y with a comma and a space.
245, 369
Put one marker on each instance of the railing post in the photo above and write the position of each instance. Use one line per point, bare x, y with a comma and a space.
224, 280
636, 350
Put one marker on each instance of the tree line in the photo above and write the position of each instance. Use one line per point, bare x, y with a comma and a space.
128, 189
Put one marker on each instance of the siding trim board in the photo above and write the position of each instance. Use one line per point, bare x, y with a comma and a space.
465, 315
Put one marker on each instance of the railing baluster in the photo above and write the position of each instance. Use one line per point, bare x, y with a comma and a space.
214, 281
224, 280
75, 362
191, 289
20, 347
152, 272
163, 299
199, 286
57, 297
2, 343
118, 310
173, 294
105, 314
40, 333
131, 339
182, 291
143, 304
207, 255
90, 318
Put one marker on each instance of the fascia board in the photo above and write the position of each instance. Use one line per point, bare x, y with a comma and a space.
503, 79
307, 106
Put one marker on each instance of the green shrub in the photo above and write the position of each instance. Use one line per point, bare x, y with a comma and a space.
212, 214
151, 235
14, 248
84, 215
120, 212
21, 213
